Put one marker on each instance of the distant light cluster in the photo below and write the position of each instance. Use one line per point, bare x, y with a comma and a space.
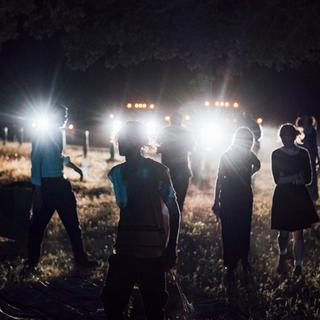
225, 104
150, 106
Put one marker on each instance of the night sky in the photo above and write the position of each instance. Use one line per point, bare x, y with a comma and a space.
33, 69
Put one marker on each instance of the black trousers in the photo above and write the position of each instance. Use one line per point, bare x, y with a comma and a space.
126, 271
56, 195
180, 181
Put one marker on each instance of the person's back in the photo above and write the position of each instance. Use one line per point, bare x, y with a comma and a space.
143, 225
236, 165
147, 232
234, 199
175, 144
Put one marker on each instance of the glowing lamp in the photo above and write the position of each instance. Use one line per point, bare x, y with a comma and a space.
71, 126
167, 118
187, 117
111, 116
259, 121
236, 105
129, 105
217, 104
151, 106
207, 103
136, 105
227, 104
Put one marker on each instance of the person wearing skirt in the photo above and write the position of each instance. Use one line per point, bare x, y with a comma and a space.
292, 207
233, 200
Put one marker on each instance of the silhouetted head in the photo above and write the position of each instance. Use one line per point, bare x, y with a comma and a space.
176, 119
288, 134
306, 121
131, 138
243, 138
59, 115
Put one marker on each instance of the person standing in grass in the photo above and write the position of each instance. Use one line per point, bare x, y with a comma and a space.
292, 207
175, 145
148, 229
309, 141
51, 190
234, 198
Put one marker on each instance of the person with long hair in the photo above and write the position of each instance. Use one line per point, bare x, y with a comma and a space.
309, 141
292, 207
234, 199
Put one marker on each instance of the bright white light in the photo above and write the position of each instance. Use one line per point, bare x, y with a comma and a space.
187, 117
259, 120
207, 103
167, 118
111, 116
211, 135
42, 122
151, 128
116, 126
71, 126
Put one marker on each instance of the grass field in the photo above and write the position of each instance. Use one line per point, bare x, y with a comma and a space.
264, 295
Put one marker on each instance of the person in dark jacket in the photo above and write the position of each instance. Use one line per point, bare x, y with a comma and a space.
292, 207
175, 144
148, 229
234, 198
309, 141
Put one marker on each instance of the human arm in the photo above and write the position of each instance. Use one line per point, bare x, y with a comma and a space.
74, 167
168, 196
307, 170
275, 167
217, 199
36, 158
256, 164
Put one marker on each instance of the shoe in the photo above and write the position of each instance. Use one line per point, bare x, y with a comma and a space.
297, 271
85, 262
282, 266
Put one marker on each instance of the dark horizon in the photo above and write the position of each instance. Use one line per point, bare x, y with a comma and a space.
32, 69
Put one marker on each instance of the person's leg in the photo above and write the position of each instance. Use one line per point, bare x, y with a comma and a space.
152, 285
246, 243
298, 247
119, 284
67, 210
283, 239
183, 188
39, 222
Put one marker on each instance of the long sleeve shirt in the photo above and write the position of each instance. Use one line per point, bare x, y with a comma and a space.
47, 160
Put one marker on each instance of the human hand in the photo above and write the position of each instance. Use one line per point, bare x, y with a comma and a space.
169, 258
216, 209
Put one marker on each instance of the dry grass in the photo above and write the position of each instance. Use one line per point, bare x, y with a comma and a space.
263, 296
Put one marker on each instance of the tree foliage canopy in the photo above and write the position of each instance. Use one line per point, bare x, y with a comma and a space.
203, 33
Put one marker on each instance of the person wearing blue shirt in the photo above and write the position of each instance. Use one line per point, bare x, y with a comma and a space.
52, 191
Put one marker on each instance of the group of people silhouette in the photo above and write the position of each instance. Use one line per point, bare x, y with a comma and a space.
150, 196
